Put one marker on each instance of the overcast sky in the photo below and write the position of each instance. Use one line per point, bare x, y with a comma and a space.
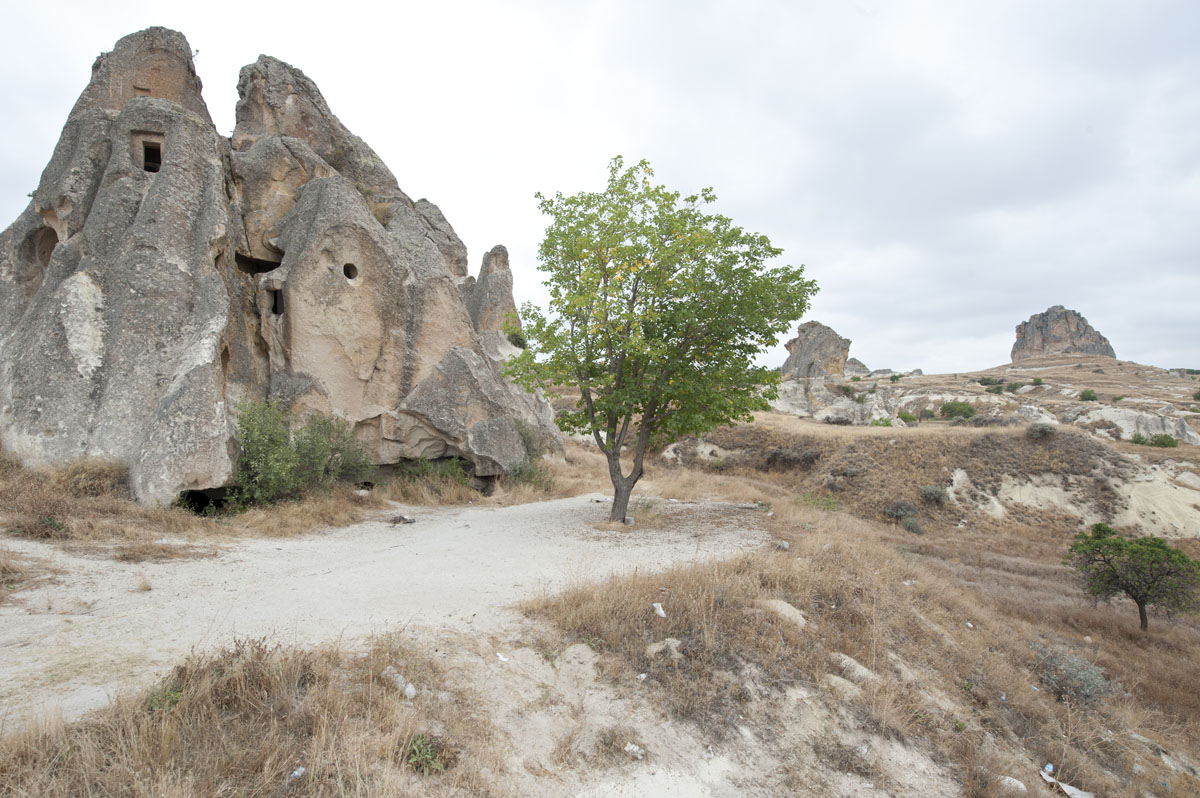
943, 169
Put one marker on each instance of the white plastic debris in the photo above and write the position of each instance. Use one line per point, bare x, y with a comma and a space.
782, 545
403, 519
501, 657
1048, 769
970, 625
298, 773
1070, 791
641, 677
392, 677
659, 611
410, 692
635, 751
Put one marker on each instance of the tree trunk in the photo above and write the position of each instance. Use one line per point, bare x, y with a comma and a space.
620, 506
1142, 615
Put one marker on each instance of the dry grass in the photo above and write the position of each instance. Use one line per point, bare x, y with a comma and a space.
240, 721
16, 572
905, 619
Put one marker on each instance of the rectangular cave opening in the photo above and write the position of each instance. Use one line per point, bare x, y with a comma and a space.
277, 301
151, 156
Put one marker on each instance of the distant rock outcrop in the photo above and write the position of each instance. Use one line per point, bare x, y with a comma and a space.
856, 368
1058, 331
162, 274
816, 351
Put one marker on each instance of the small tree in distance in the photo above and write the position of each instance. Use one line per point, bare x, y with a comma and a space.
657, 309
1146, 569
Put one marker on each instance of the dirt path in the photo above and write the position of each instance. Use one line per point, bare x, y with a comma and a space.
72, 642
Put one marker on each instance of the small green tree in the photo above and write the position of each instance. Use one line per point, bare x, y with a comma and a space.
957, 409
657, 310
1145, 569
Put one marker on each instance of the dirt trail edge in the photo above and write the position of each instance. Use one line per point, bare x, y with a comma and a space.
102, 626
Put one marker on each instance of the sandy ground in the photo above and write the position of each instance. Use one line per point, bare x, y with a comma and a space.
72, 642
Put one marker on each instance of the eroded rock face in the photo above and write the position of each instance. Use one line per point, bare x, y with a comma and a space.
161, 275
816, 351
1058, 331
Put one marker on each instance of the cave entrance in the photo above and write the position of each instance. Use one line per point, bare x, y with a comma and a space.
44, 242
277, 301
151, 156
210, 501
249, 265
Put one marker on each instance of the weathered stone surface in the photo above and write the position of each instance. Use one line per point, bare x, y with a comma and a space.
1127, 421
855, 368
816, 351
1058, 331
158, 277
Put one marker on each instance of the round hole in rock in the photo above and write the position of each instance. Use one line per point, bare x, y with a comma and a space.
350, 270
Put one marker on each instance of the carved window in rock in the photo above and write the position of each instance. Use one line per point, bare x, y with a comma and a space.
149, 150
277, 301
350, 270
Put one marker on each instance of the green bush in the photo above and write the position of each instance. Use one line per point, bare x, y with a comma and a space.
957, 409
846, 390
1117, 398
276, 465
911, 524
881, 422
1139, 439
1040, 429
517, 340
1196, 396
895, 378
1088, 396
898, 510
906, 417
1012, 387
995, 389
988, 381
1163, 441
856, 379
1037, 380
926, 413
1071, 678
934, 494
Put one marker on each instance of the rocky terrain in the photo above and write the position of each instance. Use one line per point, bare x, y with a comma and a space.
1058, 331
162, 274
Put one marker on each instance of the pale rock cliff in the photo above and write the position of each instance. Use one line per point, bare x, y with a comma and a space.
1058, 331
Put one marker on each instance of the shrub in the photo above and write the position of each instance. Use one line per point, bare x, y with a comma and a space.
957, 409
1163, 441
517, 340
895, 378
856, 379
934, 494
926, 413
1012, 387
1196, 396
1117, 398
1037, 380
988, 381
1088, 396
995, 389
906, 417
1139, 439
1072, 678
846, 390
910, 524
881, 422
1040, 429
898, 510
274, 465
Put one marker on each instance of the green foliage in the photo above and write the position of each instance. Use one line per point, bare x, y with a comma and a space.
927, 413
657, 309
1038, 380
275, 465
1139, 439
1196, 396
895, 377
1145, 569
909, 523
1163, 441
819, 501
898, 510
847, 391
906, 417
995, 389
934, 494
1040, 429
989, 381
423, 755
1072, 678
881, 422
1012, 387
1088, 396
859, 379
1117, 398
957, 409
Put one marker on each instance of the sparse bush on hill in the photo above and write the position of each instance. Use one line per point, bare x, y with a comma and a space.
934, 494
1163, 441
895, 377
881, 422
1196, 396
1012, 387
995, 389
1038, 381
1040, 429
910, 523
957, 409
898, 510
988, 381
906, 417
926, 414
1072, 678
1117, 398
1088, 396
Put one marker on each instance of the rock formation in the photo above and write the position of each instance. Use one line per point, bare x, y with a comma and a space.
1058, 331
856, 368
162, 274
816, 351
